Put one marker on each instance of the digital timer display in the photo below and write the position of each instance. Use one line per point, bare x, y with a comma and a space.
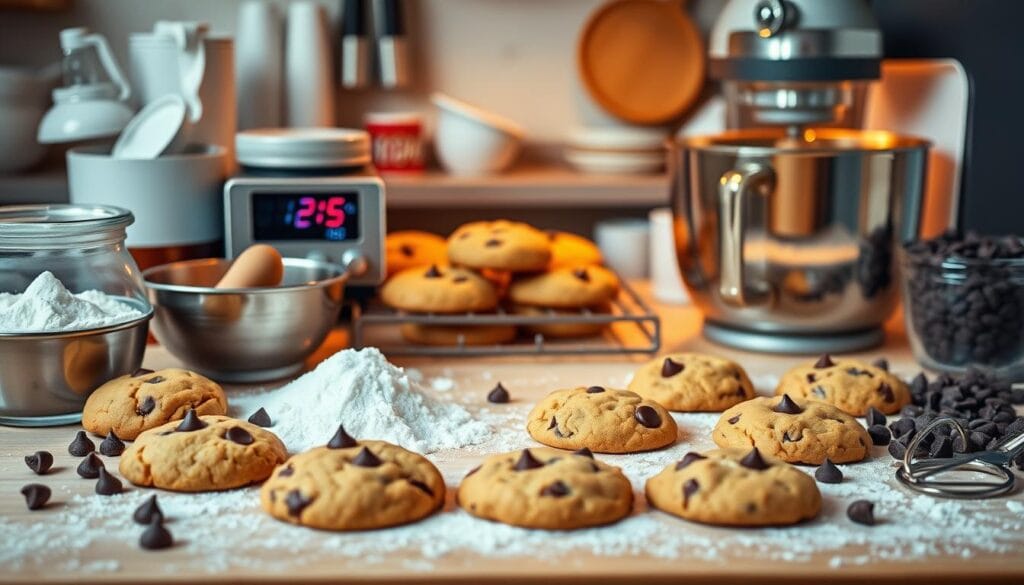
332, 217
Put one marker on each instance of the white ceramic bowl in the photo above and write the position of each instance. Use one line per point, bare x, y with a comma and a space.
472, 141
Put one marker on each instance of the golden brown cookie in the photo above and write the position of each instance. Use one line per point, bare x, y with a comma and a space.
734, 487
439, 290
499, 245
354, 485
131, 404
602, 420
693, 382
202, 454
794, 430
453, 334
850, 385
566, 288
564, 330
569, 250
544, 488
412, 248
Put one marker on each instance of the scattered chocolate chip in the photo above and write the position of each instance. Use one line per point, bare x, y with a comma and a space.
828, 472
688, 459
819, 392
36, 495
112, 446
941, 447
555, 490
862, 512
288, 471
859, 372
432, 272
260, 418
146, 407
734, 419
498, 395
90, 467
584, 452
156, 536
811, 378
823, 362
690, 487
880, 435
527, 461
421, 486
366, 458
407, 250
874, 416
341, 440
670, 368
81, 446
647, 416
886, 392
142, 372
239, 435
107, 484
753, 460
148, 511
190, 423
492, 243
595, 390
787, 406
460, 279
881, 364
582, 274
154, 380
40, 462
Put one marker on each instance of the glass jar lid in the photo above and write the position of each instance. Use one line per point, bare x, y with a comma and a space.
59, 225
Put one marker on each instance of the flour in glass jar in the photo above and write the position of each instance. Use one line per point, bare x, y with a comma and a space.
46, 306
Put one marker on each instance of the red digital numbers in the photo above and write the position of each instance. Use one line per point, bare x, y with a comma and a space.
331, 213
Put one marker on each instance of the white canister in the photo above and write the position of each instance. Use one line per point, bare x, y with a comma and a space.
309, 79
624, 243
259, 65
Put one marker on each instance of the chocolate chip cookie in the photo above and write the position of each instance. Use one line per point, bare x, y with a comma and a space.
545, 488
850, 385
693, 382
412, 248
794, 430
568, 250
454, 334
734, 487
566, 288
602, 420
354, 485
439, 289
146, 399
567, 329
499, 245
201, 454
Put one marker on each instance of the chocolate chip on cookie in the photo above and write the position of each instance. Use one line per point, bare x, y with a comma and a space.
527, 461
753, 460
670, 368
850, 385
688, 459
824, 361
366, 458
692, 382
190, 423
341, 439
648, 417
787, 406
557, 489
584, 452
239, 435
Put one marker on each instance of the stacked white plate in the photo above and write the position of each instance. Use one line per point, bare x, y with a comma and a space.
303, 148
616, 149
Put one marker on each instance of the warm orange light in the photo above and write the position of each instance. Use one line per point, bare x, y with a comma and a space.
810, 135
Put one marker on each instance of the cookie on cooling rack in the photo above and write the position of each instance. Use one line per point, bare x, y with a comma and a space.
499, 245
564, 330
568, 249
566, 288
439, 289
412, 248
453, 334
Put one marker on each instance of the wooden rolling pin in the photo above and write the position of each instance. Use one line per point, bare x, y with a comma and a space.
259, 265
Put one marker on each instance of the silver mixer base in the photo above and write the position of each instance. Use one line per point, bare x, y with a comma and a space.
788, 343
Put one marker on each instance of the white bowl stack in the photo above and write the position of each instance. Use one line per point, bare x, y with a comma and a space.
616, 149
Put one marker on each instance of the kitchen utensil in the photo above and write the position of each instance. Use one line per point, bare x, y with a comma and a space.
473, 141
303, 148
161, 127
23, 100
355, 46
46, 377
642, 60
259, 65
666, 281
257, 265
268, 337
624, 243
392, 51
309, 78
397, 139
786, 242
943, 477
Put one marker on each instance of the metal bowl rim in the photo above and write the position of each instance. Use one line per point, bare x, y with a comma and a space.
732, 142
81, 332
341, 278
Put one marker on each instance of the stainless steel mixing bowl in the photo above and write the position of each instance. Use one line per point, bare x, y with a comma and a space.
45, 378
244, 335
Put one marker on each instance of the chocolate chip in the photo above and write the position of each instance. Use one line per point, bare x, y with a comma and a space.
288, 471
881, 364
753, 460
407, 250
148, 511
156, 536
811, 378
472, 471
595, 390
112, 446
555, 490
341, 440
147, 406
647, 416
190, 423
734, 419
688, 459
40, 462
239, 435
874, 416
141, 372
886, 392
107, 484
460, 279
787, 406
819, 392
498, 395
260, 418
862, 512
296, 503
941, 447
582, 274
554, 425
421, 486
36, 495
366, 458
690, 487
154, 380
432, 272
81, 446
787, 438
527, 461
880, 435
90, 467
823, 362
859, 372
828, 472
670, 368
492, 243
584, 452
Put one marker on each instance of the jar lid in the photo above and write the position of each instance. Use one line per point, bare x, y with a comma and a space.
41, 221
303, 148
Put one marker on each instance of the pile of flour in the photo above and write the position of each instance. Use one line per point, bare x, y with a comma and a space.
46, 306
372, 398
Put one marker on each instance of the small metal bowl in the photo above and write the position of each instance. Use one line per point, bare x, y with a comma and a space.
45, 378
249, 334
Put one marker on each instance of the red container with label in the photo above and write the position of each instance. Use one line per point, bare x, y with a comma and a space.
397, 141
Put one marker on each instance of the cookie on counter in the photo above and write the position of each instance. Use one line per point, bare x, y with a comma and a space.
568, 249
354, 485
412, 248
499, 245
793, 430
439, 289
602, 420
146, 399
734, 487
564, 330
201, 454
566, 288
544, 488
451, 334
693, 382
850, 385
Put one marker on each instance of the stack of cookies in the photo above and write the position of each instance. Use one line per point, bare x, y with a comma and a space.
487, 264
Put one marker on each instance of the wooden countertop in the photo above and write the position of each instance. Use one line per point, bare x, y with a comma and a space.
40, 549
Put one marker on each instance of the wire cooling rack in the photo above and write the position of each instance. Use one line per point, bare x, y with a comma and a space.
632, 327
